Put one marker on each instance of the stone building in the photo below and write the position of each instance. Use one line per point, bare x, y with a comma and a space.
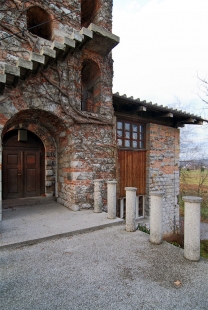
58, 116
148, 139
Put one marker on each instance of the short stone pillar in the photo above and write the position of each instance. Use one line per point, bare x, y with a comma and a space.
98, 203
192, 227
156, 206
111, 199
130, 208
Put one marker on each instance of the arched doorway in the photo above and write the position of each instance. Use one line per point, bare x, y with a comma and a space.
23, 165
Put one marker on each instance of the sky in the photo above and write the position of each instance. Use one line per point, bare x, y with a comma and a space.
163, 49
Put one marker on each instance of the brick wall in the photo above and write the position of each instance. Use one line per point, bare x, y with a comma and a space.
163, 171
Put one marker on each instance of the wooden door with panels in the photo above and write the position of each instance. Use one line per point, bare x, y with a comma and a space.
23, 165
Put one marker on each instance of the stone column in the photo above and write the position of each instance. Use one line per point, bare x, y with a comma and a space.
130, 208
98, 203
111, 196
192, 227
156, 207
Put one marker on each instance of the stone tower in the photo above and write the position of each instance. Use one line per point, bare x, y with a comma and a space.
56, 113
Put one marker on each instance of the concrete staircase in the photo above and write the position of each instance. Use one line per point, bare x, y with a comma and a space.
94, 38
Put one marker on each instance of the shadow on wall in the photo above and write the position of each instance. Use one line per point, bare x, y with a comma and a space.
89, 10
35, 16
91, 87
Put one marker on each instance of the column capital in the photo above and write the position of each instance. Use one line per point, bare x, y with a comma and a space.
193, 199
111, 182
132, 189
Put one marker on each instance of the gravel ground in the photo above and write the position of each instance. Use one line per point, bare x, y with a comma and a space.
105, 269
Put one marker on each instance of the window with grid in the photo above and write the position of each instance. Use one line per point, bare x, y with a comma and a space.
130, 135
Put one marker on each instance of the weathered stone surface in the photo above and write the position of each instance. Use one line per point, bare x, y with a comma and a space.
98, 204
163, 172
156, 218
130, 208
192, 227
79, 145
111, 199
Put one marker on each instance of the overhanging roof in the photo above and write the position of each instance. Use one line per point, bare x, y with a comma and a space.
153, 112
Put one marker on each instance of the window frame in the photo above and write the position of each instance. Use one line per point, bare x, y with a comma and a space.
129, 135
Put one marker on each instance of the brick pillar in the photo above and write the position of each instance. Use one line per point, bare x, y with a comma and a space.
156, 215
111, 193
130, 208
98, 203
192, 228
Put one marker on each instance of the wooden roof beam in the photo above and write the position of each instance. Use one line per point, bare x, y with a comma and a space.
165, 114
141, 108
199, 123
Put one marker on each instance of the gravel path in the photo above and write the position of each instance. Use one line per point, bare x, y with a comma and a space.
105, 269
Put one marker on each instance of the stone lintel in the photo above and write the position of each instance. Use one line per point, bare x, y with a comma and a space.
192, 199
98, 180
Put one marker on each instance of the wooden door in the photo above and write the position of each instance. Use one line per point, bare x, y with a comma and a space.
12, 172
31, 173
132, 171
21, 174
23, 165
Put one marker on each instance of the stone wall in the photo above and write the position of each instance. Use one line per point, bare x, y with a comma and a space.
65, 16
163, 171
79, 145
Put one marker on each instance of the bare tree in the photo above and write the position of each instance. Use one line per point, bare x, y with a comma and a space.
203, 89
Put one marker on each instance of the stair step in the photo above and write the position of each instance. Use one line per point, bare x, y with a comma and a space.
104, 42
26, 66
49, 54
38, 61
59, 48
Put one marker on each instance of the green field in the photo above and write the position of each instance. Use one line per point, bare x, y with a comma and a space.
194, 177
194, 183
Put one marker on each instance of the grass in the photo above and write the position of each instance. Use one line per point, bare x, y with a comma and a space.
204, 249
193, 176
191, 185
178, 240
143, 228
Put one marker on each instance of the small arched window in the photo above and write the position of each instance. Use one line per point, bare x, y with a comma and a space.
91, 87
89, 9
38, 22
